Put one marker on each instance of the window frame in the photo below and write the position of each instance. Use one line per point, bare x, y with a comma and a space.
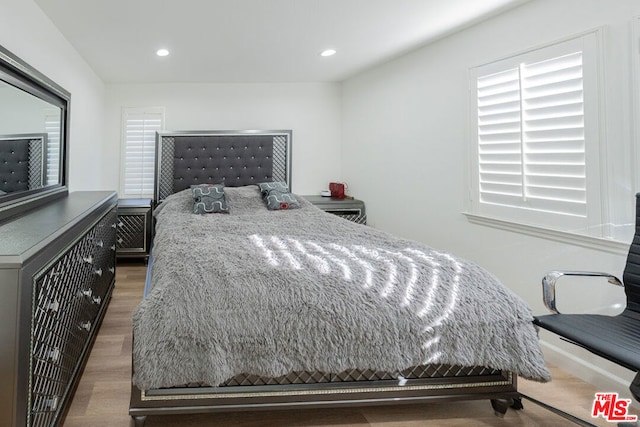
595, 224
127, 112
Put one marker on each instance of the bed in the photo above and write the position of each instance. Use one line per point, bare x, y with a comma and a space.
260, 309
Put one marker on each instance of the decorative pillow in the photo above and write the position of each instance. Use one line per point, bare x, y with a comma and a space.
209, 198
277, 196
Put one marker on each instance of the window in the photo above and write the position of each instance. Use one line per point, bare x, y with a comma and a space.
535, 149
52, 122
139, 127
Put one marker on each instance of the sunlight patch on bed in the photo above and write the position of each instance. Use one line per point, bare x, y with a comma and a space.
366, 266
412, 276
343, 265
453, 292
389, 286
318, 263
435, 280
434, 356
286, 253
268, 253
431, 343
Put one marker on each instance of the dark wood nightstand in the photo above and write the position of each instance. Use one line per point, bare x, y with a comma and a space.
349, 209
134, 228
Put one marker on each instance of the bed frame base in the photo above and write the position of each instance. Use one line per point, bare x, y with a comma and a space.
501, 389
500, 405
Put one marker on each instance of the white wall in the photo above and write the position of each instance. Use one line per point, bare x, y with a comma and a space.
311, 110
405, 133
29, 34
21, 112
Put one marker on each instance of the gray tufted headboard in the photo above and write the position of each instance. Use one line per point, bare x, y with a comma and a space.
232, 158
22, 162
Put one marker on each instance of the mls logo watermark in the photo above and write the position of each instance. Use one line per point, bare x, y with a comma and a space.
611, 408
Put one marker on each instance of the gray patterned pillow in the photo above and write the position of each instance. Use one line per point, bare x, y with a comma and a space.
277, 196
209, 198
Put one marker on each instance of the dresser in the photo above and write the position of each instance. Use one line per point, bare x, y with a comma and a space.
57, 272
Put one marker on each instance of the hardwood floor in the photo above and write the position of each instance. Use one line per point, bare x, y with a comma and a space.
102, 396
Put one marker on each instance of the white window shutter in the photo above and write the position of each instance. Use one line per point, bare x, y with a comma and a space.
139, 136
52, 128
554, 135
500, 137
535, 153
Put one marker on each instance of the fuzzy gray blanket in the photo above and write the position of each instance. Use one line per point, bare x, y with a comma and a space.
271, 292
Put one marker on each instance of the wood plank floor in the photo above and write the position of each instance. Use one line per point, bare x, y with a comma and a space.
102, 397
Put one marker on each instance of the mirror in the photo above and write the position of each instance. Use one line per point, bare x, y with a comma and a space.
33, 136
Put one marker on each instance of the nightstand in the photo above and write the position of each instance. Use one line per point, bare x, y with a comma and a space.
134, 228
349, 209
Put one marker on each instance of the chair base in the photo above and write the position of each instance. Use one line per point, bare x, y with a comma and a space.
563, 414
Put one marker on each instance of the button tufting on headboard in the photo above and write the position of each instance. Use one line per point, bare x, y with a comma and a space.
14, 157
198, 160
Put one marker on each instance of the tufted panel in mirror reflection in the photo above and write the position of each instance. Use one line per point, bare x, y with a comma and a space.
33, 136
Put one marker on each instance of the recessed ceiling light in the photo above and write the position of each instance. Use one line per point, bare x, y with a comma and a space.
328, 52
162, 52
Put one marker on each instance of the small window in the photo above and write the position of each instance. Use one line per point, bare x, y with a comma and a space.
536, 141
139, 127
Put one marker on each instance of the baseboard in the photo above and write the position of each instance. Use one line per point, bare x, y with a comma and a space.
605, 376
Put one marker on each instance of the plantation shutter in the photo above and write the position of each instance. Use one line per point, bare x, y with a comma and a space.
140, 127
554, 135
500, 138
52, 128
535, 158
531, 149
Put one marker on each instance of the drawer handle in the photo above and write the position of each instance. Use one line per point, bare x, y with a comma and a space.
85, 325
88, 260
114, 225
113, 247
51, 404
53, 306
112, 270
99, 243
54, 355
89, 294
98, 272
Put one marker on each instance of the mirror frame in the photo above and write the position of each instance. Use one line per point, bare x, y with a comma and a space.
18, 73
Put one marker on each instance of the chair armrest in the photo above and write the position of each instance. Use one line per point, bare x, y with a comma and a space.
549, 284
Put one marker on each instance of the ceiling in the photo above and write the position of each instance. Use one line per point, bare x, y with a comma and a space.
254, 40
